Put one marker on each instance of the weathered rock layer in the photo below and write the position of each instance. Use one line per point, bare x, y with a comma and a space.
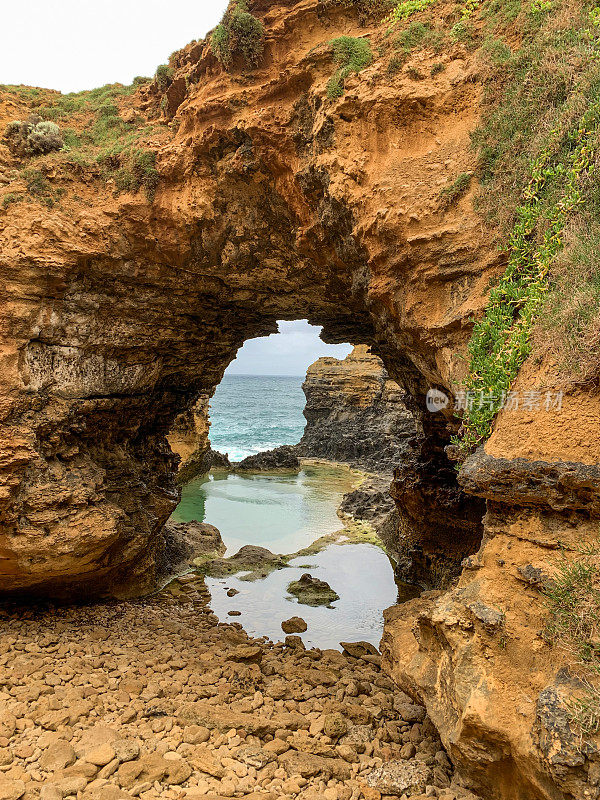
355, 413
275, 202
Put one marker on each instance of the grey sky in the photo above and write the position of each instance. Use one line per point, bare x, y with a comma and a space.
72, 45
289, 352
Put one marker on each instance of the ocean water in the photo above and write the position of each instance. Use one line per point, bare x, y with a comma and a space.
284, 512
251, 413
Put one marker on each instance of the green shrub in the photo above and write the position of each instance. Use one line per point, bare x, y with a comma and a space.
163, 77
457, 188
33, 137
437, 68
11, 198
239, 33
352, 55
496, 51
572, 597
414, 74
406, 8
395, 64
367, 8
134, 171
419, 35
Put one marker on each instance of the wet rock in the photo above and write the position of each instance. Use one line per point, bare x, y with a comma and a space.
294, 625
282, 458
186, 542
312, 591
400, 777
249, 558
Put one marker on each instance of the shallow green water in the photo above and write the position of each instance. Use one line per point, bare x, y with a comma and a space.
284, 513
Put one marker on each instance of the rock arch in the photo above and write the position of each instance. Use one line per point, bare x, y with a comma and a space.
273, 204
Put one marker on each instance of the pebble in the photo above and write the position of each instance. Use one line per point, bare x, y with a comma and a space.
156, 699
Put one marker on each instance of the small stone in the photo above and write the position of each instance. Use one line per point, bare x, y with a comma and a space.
294, 625
410, 712
400, 777
196, 734
359, 649
232, 592
126, 749
247, 654
234, 613
11, 790
335, 726
102, 755
8, 725
51, 792
408, 751
58, 756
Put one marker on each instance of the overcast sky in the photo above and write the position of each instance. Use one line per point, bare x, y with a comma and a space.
289, 352
72, 45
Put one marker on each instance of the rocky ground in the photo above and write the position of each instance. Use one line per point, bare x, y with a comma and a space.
156, 699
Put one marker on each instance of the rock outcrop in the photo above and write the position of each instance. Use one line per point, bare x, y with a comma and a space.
282, 458
272, 202
120, 310
355, 413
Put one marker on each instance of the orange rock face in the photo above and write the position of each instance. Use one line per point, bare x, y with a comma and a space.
275, 202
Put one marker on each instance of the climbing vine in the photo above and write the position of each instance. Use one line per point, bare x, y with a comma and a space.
407, 8
501, 340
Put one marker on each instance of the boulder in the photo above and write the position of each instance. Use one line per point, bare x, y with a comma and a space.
294, 625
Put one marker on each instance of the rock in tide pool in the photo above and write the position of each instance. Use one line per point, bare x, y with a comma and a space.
294, 625
251, 558
281, 458
312, 591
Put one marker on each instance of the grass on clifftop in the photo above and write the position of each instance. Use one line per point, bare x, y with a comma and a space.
538, 148
95, 137
239, 33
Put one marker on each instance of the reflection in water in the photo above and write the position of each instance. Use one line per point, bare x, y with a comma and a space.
360, 573
283, 512
286, 512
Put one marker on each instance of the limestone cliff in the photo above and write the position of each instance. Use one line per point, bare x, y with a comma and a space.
271, 199
355, 413
189, 435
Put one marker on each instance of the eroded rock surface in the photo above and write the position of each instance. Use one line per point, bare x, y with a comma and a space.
355, 413
273, 203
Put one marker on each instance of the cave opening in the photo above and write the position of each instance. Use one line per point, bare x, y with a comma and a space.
293, 462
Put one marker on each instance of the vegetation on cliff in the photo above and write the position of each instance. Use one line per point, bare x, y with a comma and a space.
239, 34
573, 601
538, 149
352, 55
85, 131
